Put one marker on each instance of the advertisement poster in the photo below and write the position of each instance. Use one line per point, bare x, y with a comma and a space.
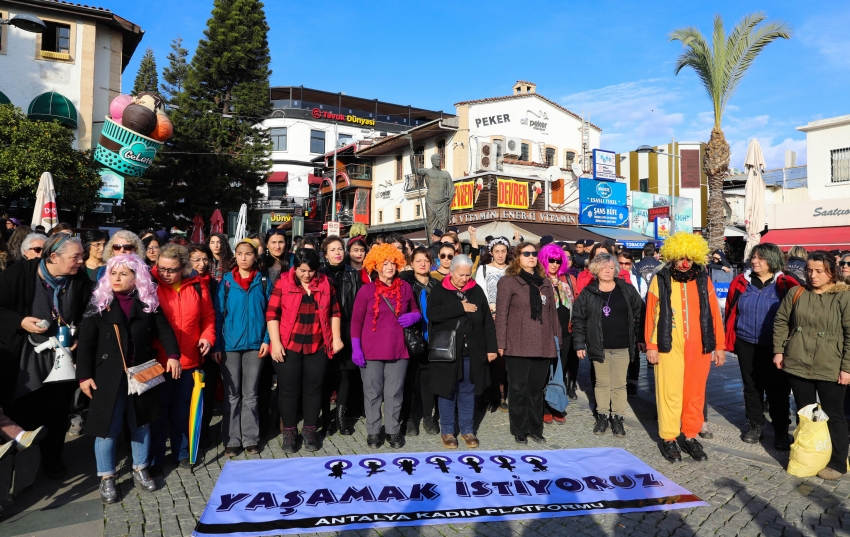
113, 185
464, 195
604, 165
513, 194
602, 192
642, 202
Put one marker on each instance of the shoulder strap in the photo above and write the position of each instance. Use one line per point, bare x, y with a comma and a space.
392, 309
226, 292
120, 348
197, 286
797, 294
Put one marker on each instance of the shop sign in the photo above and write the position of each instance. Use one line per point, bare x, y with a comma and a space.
278, 218
513, 215
347, 118
113, 185
662, 228
593, 214
655, 213
604, 165
464, 195
333, 229
644, 223
512, 194
602, 192
492, 120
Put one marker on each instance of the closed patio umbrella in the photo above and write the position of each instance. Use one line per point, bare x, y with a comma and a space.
216, 222
241, 224
45, 213
198, 230
754, 204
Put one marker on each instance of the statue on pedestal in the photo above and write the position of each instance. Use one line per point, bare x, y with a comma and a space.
441, 191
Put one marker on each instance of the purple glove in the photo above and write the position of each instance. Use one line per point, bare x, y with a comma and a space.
357, 353
409, 319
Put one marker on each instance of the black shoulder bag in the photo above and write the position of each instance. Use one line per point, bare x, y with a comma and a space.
442, 344
413, 338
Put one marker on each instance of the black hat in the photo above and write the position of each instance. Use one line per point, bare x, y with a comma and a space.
584, 242
456, 230
546, 239
437, 232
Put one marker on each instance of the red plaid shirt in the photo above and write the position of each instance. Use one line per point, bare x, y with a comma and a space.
307, 333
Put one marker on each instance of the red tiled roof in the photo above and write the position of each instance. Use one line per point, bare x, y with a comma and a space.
522, 96
62, 2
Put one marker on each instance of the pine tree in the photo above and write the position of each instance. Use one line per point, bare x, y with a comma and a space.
147, 78
177, 71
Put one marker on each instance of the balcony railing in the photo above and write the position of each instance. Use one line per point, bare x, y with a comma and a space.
414, 182
356, 172
274, 203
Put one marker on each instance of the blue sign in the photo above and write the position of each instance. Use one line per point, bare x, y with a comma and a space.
636, 245
721, 289
602, 192
604, 165
593, 214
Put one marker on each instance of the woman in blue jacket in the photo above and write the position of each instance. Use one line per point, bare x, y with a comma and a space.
242, 342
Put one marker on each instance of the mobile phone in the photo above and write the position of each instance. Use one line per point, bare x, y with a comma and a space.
44, 323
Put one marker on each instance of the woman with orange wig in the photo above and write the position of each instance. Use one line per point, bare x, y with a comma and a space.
382, 309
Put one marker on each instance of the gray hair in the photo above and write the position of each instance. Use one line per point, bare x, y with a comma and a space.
27, 244
122, 236
460, 260
601, 261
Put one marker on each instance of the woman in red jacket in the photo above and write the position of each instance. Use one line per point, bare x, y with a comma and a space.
304, 327
186, 301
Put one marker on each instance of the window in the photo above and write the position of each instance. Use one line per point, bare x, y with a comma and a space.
399, 169
523, 154
380, 216
419, 157
276, 190
499, 145
569, 158
558, 191
441, 150
397, 214
840, 165
278, 136
317, 142
344, 139
417, 211
56, 38
550, 156
643, 185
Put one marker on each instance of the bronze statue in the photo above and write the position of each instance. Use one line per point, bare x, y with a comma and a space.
441, 191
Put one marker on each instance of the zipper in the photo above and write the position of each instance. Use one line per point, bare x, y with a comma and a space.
685, 310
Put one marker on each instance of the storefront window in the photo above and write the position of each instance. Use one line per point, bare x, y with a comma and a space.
317, 142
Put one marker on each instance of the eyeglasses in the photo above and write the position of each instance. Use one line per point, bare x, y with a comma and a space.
447, 256
555, 261
125, 247
529, 254
153, 248
168, 270
36, 249
200, 260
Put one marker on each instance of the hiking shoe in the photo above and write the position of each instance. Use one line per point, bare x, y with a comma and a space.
539, 438
670, 451
290, 439
449, 441
754, 434
571, 391
311, 442
32, 437
108, 492
76, 428
144, 479
470, 439
705, 432
617, 428
693, 448
601, 424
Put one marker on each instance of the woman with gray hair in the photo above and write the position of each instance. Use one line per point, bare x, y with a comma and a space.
123, 242
459, 304
32, 246
605, 306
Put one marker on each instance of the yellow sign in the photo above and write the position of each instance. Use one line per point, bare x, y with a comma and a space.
513, 194
280, 218
464, 195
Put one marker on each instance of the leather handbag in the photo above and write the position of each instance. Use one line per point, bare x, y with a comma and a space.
413, 338
142, 377
442, 344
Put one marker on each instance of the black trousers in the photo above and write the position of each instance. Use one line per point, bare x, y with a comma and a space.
527, 379
418, 396
634, 368
300, 379
264, 396
760, 375
566, 355
831, 395
498, 379
48, 406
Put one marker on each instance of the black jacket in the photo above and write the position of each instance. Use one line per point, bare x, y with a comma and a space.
665, 313
796, 267
99, 358
346, 291
17, 292
477, 328
587, 320
420, 293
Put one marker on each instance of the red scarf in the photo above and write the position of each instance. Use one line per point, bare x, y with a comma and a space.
392, 292
244, 283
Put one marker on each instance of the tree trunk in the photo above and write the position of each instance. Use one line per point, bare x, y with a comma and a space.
716, 166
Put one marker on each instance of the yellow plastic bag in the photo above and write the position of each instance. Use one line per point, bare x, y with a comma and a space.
812, 446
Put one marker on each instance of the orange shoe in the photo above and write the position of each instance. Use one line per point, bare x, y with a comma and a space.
559, 417
547, 419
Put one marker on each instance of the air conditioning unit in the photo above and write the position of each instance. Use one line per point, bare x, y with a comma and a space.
513, 146
487, 157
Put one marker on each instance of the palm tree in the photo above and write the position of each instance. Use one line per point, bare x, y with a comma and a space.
720, 66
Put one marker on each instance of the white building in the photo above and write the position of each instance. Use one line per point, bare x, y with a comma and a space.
72, 71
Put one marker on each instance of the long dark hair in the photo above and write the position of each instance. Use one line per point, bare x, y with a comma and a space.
227, 259
90, 236
829, 264
270, 258
306, 256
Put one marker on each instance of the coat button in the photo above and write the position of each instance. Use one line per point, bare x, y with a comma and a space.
104, 357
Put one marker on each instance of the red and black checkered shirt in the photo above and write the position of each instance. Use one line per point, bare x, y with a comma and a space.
306, 335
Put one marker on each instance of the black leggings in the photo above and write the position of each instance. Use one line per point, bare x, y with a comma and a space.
299, 382
418, 399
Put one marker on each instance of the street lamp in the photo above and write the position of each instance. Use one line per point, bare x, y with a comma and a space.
27, 23
649, 149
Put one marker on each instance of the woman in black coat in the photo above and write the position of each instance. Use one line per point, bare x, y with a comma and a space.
125, 303
458, 303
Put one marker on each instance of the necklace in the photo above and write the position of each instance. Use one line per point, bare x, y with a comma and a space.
606, 309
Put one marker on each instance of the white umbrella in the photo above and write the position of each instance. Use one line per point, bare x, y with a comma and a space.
44, 213
241, 224
754, 206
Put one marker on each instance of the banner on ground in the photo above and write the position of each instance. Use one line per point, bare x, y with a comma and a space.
319, 494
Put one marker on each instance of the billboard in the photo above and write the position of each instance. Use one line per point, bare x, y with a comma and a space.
643, 202
464, 195
513, 194
602, 192
604, 165
594, 214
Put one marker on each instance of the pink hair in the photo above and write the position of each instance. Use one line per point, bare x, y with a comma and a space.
145, 286
554, 251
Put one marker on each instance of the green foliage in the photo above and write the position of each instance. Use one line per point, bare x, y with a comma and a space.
29, 148
147, 78
177, 71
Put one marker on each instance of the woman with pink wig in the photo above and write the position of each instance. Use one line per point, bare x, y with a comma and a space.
117, 330
556, 266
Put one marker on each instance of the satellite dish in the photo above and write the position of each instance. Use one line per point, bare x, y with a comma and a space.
553, 173
577, 169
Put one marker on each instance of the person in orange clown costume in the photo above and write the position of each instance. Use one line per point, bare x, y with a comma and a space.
684, 334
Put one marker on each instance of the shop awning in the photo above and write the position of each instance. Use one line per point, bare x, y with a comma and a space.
622, 235
822, 238
278, 177
52, 106
734, 232
315, 179
4, 99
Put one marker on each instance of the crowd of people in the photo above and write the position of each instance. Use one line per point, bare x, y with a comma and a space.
400, 334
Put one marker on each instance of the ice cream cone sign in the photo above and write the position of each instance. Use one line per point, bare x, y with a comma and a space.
479, 186
537, 191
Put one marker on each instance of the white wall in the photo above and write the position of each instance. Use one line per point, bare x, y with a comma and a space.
822, 136
103, 92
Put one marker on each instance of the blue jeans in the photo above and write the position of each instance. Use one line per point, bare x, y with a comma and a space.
176, 399
464, 398
140, 437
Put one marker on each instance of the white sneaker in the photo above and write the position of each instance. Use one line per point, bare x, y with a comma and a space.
32, 437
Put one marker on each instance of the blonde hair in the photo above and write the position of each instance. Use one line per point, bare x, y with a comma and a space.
126, 237
601, 261
685, 245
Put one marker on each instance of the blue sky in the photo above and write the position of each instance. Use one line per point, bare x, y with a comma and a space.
611, 59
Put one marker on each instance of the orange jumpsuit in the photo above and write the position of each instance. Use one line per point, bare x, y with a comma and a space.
681, 374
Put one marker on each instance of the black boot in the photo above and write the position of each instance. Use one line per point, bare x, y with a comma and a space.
601, 424
754, 434
311, 442
670, 451
617, 426
571, 390
431, 426
341, 423
781, 442
290, 440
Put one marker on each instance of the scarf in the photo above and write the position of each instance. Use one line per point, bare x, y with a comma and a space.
244, 283
55, 283
392, 292
534, 297
563, 292
684, 277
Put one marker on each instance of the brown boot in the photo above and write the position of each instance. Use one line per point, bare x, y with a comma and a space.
449, 441
471, 440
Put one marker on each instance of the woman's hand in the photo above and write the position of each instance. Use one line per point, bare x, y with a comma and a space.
581, 354
264, 350
173, 366
779, 361
719, 358
216, 356
87, 386
469, 308
338, 345
844, 378
652, 356
278, 353
409, 319
491, 356
501, 352
204, 345
29, 324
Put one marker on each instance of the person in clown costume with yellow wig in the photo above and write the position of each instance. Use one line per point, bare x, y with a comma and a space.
684, 334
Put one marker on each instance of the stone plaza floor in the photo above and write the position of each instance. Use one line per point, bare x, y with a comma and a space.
745, 484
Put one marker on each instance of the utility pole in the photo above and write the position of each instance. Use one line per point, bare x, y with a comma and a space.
333, 177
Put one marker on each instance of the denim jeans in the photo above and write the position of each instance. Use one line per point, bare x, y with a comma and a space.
241, 421
464, 398
175, 398
140, 437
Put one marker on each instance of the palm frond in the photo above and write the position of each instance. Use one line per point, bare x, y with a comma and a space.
749, 49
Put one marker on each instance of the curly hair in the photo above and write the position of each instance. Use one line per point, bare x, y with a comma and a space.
122, 236
553, 251
383, 252
179, 252
685, 245
145, 286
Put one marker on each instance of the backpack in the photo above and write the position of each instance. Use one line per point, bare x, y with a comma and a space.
556, 389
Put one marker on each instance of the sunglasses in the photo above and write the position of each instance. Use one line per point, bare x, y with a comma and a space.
529, 254
168, 270
840, 263
447, 256
626, 264
36, 249
555, 261
125, 247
